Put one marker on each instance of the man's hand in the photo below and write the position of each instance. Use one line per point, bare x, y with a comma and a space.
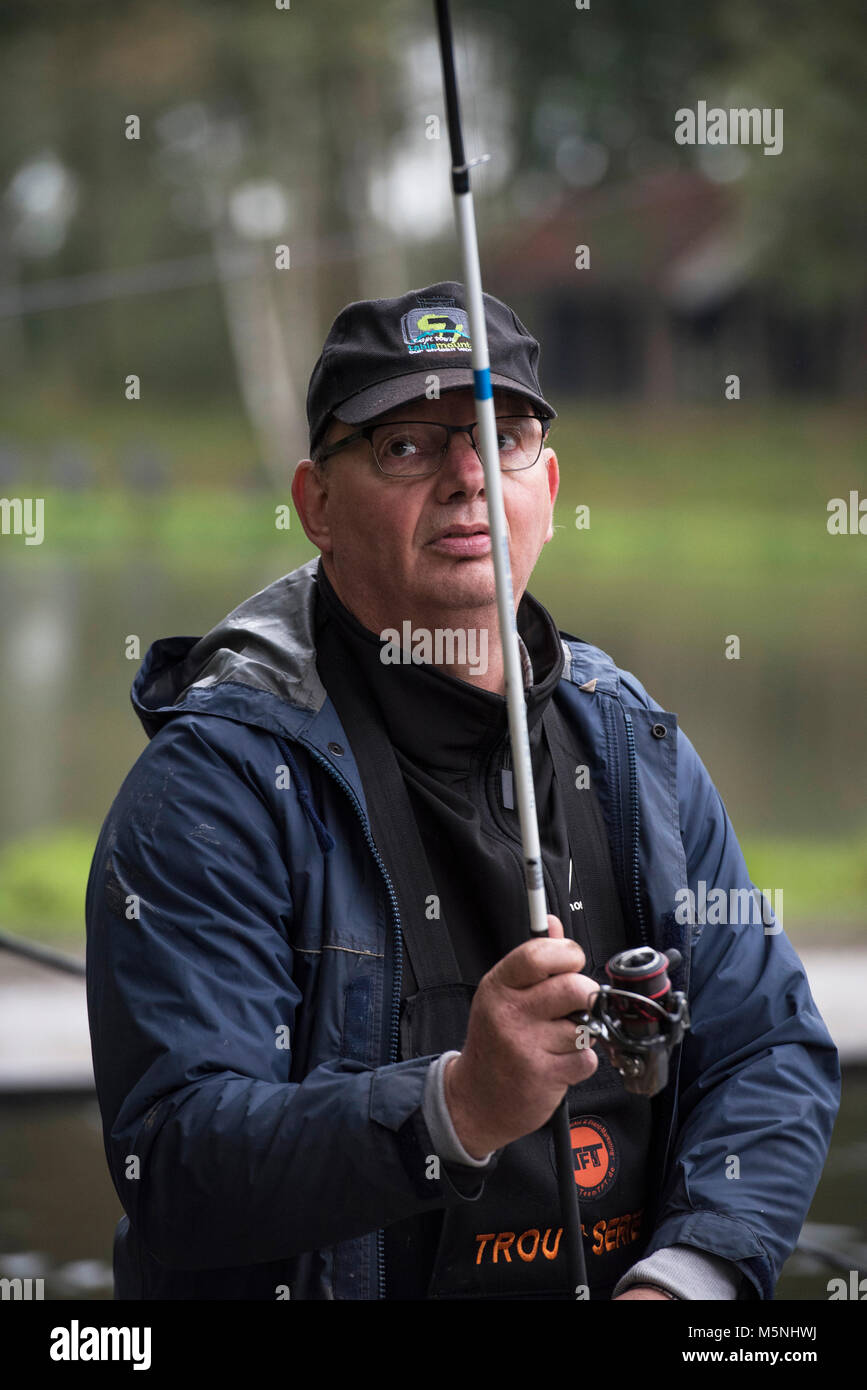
520, 1055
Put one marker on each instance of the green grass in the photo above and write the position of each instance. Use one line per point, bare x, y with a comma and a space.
730, 553
43, 878
824, 882
775, 456
201, 447
205, 529
736, 492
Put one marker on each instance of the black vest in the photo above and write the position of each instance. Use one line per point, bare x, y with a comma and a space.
433, 754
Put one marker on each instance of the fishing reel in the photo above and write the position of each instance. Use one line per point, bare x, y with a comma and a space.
638, 1018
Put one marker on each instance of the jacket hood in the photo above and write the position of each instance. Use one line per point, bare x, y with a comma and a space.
258, 665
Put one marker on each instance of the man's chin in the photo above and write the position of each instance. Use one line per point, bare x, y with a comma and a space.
467, 585
474, 578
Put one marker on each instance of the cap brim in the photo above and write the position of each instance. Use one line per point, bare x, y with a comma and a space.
386, 395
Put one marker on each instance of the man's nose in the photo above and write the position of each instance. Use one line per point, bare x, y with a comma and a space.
462, 463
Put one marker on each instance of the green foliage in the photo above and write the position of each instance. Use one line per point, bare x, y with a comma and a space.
802, 208
43, 880
824, 882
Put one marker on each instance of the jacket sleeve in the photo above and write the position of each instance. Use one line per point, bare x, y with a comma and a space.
218, 1159
759, 1078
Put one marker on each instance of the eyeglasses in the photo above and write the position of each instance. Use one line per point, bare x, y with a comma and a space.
417, 448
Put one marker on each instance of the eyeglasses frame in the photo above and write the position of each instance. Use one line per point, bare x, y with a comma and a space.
367, 433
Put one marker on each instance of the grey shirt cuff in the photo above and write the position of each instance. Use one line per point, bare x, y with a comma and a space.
680, 1270
685, 1272
439, 1122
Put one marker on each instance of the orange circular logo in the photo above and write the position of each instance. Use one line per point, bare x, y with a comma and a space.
593, 1156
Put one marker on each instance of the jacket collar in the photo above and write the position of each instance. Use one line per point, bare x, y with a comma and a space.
258, 665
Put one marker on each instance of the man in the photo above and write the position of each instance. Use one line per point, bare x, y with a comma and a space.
325, 1051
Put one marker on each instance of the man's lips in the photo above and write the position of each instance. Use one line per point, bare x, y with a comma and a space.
463, 540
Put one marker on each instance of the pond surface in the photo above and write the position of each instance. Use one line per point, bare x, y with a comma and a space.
781, 733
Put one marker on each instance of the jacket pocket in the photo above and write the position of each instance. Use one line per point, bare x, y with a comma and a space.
357, 1020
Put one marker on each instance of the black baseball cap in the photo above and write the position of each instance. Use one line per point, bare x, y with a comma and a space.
380, 353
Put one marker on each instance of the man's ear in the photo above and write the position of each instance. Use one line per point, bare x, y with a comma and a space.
553, 469
310, 495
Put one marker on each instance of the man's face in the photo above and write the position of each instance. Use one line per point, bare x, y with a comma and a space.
382, 538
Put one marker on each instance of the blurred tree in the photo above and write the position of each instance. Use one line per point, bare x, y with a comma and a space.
806, 207
328, 101
226, 94
593, 95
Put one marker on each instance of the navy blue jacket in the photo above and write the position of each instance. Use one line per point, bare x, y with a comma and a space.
244, 962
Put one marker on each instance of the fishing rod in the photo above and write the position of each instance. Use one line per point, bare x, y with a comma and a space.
637, 1018
515, 701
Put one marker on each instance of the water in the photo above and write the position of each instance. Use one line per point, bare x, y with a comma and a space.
64, 683
58, 1208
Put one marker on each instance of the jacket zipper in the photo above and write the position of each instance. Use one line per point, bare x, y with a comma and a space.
507, 782
633, 796
633, 807
398, 960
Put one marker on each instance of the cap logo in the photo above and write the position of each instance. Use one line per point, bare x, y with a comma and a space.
436, 328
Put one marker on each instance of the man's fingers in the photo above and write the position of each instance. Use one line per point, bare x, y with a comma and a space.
563, 1038
534, 961
558, 996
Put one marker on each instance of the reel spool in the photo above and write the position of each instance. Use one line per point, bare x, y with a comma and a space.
638, 1017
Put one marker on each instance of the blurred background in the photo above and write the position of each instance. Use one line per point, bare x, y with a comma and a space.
154, 156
